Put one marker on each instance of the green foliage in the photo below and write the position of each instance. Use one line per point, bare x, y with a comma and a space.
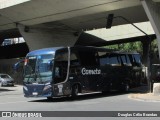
154, 46
133, 46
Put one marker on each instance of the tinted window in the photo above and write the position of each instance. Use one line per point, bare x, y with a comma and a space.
60, 66
113, 60
108, 59
137, 58
128, 60
103, 58
74, 61
125, 59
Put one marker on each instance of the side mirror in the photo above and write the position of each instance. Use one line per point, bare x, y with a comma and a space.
17, 65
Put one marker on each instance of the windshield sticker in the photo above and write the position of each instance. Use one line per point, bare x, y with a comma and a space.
32, 57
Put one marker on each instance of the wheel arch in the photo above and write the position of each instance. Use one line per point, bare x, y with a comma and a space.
79, 86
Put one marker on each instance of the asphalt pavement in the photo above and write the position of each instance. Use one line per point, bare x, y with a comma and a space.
140, 93
12, 99
11, 90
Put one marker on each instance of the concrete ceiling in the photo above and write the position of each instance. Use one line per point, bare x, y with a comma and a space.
73, 15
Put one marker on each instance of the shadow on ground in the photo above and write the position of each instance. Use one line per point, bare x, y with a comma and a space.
7, 88
91, 96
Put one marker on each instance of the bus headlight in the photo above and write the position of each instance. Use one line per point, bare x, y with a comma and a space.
47, 87
25, 88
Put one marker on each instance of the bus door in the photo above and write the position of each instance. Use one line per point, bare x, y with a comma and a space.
60, 71
75, 69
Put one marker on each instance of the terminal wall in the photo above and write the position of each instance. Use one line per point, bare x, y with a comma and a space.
6, 66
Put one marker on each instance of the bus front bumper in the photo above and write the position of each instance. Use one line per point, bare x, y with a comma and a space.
40, 90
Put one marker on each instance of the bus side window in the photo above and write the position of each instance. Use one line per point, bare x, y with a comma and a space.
74, 63
128, 60
113, 60
137, 59
103, 58
121, 62
125, 60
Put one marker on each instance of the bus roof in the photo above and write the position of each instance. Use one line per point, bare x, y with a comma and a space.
44, 51
124, 52
104, 49
52, 50
92, 48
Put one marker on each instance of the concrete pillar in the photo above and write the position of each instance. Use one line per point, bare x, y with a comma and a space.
152, 10
147, 62
156, 88
37, 38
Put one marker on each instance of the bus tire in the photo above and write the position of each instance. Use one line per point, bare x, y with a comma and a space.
75, 90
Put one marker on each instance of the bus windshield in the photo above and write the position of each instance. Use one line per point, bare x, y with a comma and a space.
38, 68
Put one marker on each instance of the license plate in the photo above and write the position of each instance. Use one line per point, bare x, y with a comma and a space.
34, 93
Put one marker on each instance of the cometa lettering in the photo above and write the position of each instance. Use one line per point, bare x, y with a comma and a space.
90, 72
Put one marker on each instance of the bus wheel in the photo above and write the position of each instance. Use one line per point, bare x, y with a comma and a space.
75, 91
